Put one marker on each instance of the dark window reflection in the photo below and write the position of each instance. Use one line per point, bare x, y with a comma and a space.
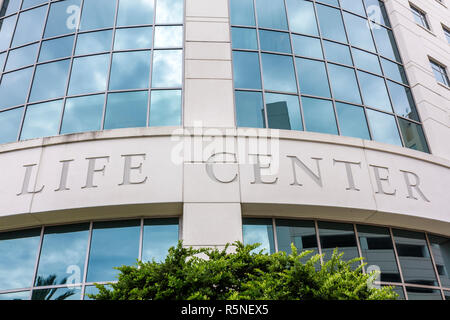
440, 247
338, 235
415, 293
300, 233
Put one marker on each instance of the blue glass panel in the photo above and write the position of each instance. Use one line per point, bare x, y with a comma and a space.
274, 41
259, 231
83, 114
10, 124
319, 115
355, 6
394, 71
29, 26
343, 83
331, 24
133, 38
89, 74
359, 32
302, 18
244, 38
21, 57
130, 70
56, 48
169, 11
413, 135
6, 31
403, 101
159, 236
246, 70
307, 46
312, 77
249, 109
63, 18
41, 120
135, 12
337, 52
9, 7
366, 61
22, 295
14, 87
278, 73
50, 80
283, 112
73, 293
97, 14
242, 12
167, 68
352, 121
126, 110
385, 41
383, 126
94, 42
338, 235
165, 108
374, 91
300, 233
271, 14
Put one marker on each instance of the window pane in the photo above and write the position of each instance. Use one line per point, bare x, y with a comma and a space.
83, 114
6, 30
135, 12
57, 294
50, 80
414, 256
23, 295
133, 38
63, 255
337, 52
29, 26
302, 18
278, 73
386, 43
343, 83
283, 112
423, 294
168, 37
259, 231
374, 91
57, 48
366, 61
165, 108
14, 87
331, 24
394, 71
307, 46
2, 61
159, 236
403, 101
246, 70
242, 12
274, 41
355, 6
113, 244
94, 42
384, 129
374, 7
271, 14
167, 68
440, 247
169, 11
62, 18
352, 121
378, 250
18, 252
9, 124
130, 70
319, 115
9, 7
21, 57
89, 74
358, 32
312, 77
126, 110
338, 235
97, 14
300, 233
244, 38
413, 135
249, 109
41, 120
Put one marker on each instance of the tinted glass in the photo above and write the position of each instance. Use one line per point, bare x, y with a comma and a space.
6, 31
130, 70
283, 112
41, 120
331, 24
89, 74
83, 114
385, 42
352, 121
244, 38
300, 233
113, 244
9, 124
366, 61
242, 12
307, 46
18, 252
278, 72
94, 42
271, 14
63, 18
374, 91
394, 71
337, 53
23, 295
413, 135
415, 293
135, 12
14, 87
126, 110
259, 231
167, 70
159, 236
56, 48
169, 11
168, 37
21, 57
246, 70
133, 38
358, 32
165, 108
343, 83
403, 101
383, 126
440, 247
29, 26
302, 18
97, 14
274, 41
319, 115
249, 109
338, 235
312, 77
9, 7
50, 80
57, 294
355, 6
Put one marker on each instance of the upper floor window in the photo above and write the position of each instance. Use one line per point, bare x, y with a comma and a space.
447, 33
420, 17
440, 73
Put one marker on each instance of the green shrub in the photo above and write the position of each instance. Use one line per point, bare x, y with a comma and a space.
244, 274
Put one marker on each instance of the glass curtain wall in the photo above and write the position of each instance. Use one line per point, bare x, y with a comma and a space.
84, 65
328, 66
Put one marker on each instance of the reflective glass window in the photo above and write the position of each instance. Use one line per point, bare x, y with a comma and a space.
302, 18
168, 37
133, 38
274, 41
113, 244
343, 83
394, 71
374, 8
403, 101
415, 259
307, 46
167, 68
331, 24
50, 80
21, 57
56, 48
352, 121
135, 12
14, 87
18, 252
337, 52
244, 38
169, 11
300, 233
6, 30
246, 71
384, 39
249, 109
440, 247
165, 108
83, 114
73, 293
63, 18
22, 295
94, 42
319, 115
378, 250
159, 236
413, 135
31, 3
355, 6
242, 12
283, 112
358, 32
41, 120
383, 127
366, 61
415, 293
2, 61
312, 77
63, 255
374, 91
126, 110
259, 231
130, 70
278, 73
89, 74
29, 26
9, 7
271, 14
97, 14
338, 235
10, 124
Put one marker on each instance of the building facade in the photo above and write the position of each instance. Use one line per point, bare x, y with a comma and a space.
127, 125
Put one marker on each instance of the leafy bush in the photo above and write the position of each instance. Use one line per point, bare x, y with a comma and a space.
244, 274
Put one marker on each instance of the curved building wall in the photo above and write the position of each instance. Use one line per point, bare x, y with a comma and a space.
216, 181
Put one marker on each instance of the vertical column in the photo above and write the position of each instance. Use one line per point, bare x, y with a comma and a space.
208, 70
